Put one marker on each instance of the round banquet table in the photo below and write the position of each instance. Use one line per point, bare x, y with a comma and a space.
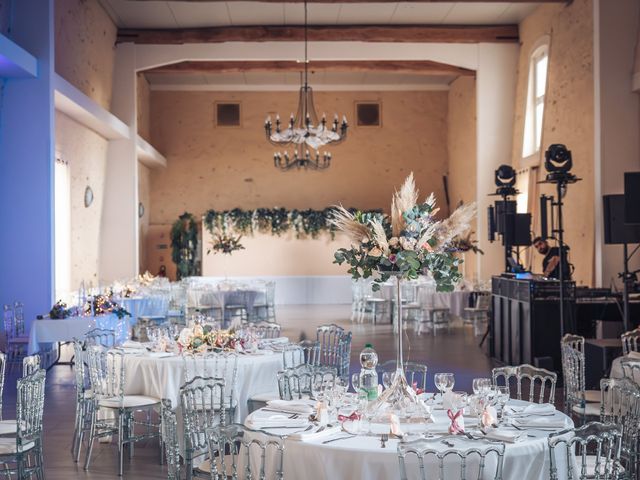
361, 457
160, 375
616, 365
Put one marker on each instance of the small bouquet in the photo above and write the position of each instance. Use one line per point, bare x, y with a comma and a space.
60, 311
101, 304
225, 243
198, 339
464, 243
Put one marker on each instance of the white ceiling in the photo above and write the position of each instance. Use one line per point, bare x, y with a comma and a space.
288, 81
160, 14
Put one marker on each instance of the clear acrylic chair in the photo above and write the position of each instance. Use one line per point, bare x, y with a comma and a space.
100, 336
170, 443
83, 400
335, 348
631, 370
630, 341
302, 381
236, 451
533, 380
478, 315
17, 341
305, 352
30, 364
266, 310
416, 373
594, 447
202, 408
266, 330
107, 376
577, 400
420, 460
21, 455
620, 405
215, 365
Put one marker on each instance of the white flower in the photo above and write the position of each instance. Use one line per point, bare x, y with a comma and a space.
407, 243
375, 252
186, 334
393, 242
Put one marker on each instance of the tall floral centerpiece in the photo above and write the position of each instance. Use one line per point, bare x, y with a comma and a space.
409, 242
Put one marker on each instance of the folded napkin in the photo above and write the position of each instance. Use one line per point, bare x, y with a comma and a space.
537, 409
275, 420
545, 422
294, 406
503, 435
132, 344
314, 434
160, 354
633, 355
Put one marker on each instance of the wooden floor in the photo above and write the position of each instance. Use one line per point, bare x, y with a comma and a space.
456, 352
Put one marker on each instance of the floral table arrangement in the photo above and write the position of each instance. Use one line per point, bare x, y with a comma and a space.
202, 338
409, 242
225, 243
101, 304
60, 311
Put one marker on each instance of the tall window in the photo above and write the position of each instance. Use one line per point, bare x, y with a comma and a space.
538, 66
62, 229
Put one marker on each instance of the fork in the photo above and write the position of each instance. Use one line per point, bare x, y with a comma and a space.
384, 438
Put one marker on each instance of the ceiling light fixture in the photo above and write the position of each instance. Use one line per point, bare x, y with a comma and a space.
304, 131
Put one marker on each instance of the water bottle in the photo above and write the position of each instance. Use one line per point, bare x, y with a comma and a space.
368, 379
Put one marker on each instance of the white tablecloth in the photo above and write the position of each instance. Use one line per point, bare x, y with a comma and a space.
65, 330
456, 301
363, 458
150, 306
162, 377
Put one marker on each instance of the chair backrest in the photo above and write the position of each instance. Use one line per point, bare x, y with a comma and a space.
266, 330
630, 341
202, 407
170, 440
30, 364
597, 440
631, 370
335, 348
574, 341
305, 352
3, 368
100, 336
30, 408
302, 381
261, 452
106, 372
18, 319
7, 319
531, 378
214, 365
79, 367
482, 462
416, 373
573, 373
483, 301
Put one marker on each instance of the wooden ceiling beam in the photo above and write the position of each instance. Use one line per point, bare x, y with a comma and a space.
425, 67
326, 33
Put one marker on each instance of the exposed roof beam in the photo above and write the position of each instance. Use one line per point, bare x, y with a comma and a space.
328, 33
426, 67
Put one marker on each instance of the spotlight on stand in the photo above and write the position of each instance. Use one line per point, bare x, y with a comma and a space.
558, 164
505, 178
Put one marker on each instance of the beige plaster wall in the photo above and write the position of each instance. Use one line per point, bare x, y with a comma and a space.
143, 110
86, 153
569, 118
85, 54
144, 174
461, 144
225, 167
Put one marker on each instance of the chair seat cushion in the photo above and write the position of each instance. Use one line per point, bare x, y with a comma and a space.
8, 427
8, 446
589, 410
129, 401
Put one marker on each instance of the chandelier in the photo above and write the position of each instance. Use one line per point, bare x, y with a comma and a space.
304, 131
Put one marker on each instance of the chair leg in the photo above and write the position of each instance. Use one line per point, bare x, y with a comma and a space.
120, 441
92, 436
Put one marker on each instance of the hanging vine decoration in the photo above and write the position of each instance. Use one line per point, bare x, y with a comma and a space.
184, 244
275, 221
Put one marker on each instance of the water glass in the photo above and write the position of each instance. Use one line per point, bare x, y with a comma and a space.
481, 385
355, 382
444, 382
503, 394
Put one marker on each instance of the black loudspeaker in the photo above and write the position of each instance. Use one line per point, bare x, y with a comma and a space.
632, 197
544, 229
615, 230
491, 223
518, 231
504, 212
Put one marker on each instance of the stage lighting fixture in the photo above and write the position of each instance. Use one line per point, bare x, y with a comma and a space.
505, 178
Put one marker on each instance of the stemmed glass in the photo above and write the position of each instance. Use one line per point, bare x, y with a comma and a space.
444, 382
502, 395
481, 385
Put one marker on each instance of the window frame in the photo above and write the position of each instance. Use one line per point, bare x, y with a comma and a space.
531, 146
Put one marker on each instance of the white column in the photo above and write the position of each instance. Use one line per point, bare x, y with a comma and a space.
26, 167
617, 120
119, 229
495, 106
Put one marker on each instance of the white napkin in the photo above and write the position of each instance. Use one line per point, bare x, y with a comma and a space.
538, 409
160, 354
313, 434
295, 406
504, 436
132, 344
634, 355
544, 422
275, 420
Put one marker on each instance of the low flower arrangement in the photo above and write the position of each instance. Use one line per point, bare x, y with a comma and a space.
199, 338
409, 242
102, 304
60, 311
225, 243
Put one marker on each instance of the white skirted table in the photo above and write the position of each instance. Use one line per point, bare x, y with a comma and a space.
362, 457
48, 331
145, 306
616, 365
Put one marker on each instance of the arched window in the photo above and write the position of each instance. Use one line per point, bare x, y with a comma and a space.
536, 89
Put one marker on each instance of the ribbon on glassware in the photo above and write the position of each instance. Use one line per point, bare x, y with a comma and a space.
457, 422
488, 416
353, 416
417, 389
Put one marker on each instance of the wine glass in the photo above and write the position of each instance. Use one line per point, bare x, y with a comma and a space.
355, 382
481, 385
503, 394
439, 380
448, 381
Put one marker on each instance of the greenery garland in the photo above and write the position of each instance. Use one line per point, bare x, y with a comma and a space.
184, 244
276, 221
